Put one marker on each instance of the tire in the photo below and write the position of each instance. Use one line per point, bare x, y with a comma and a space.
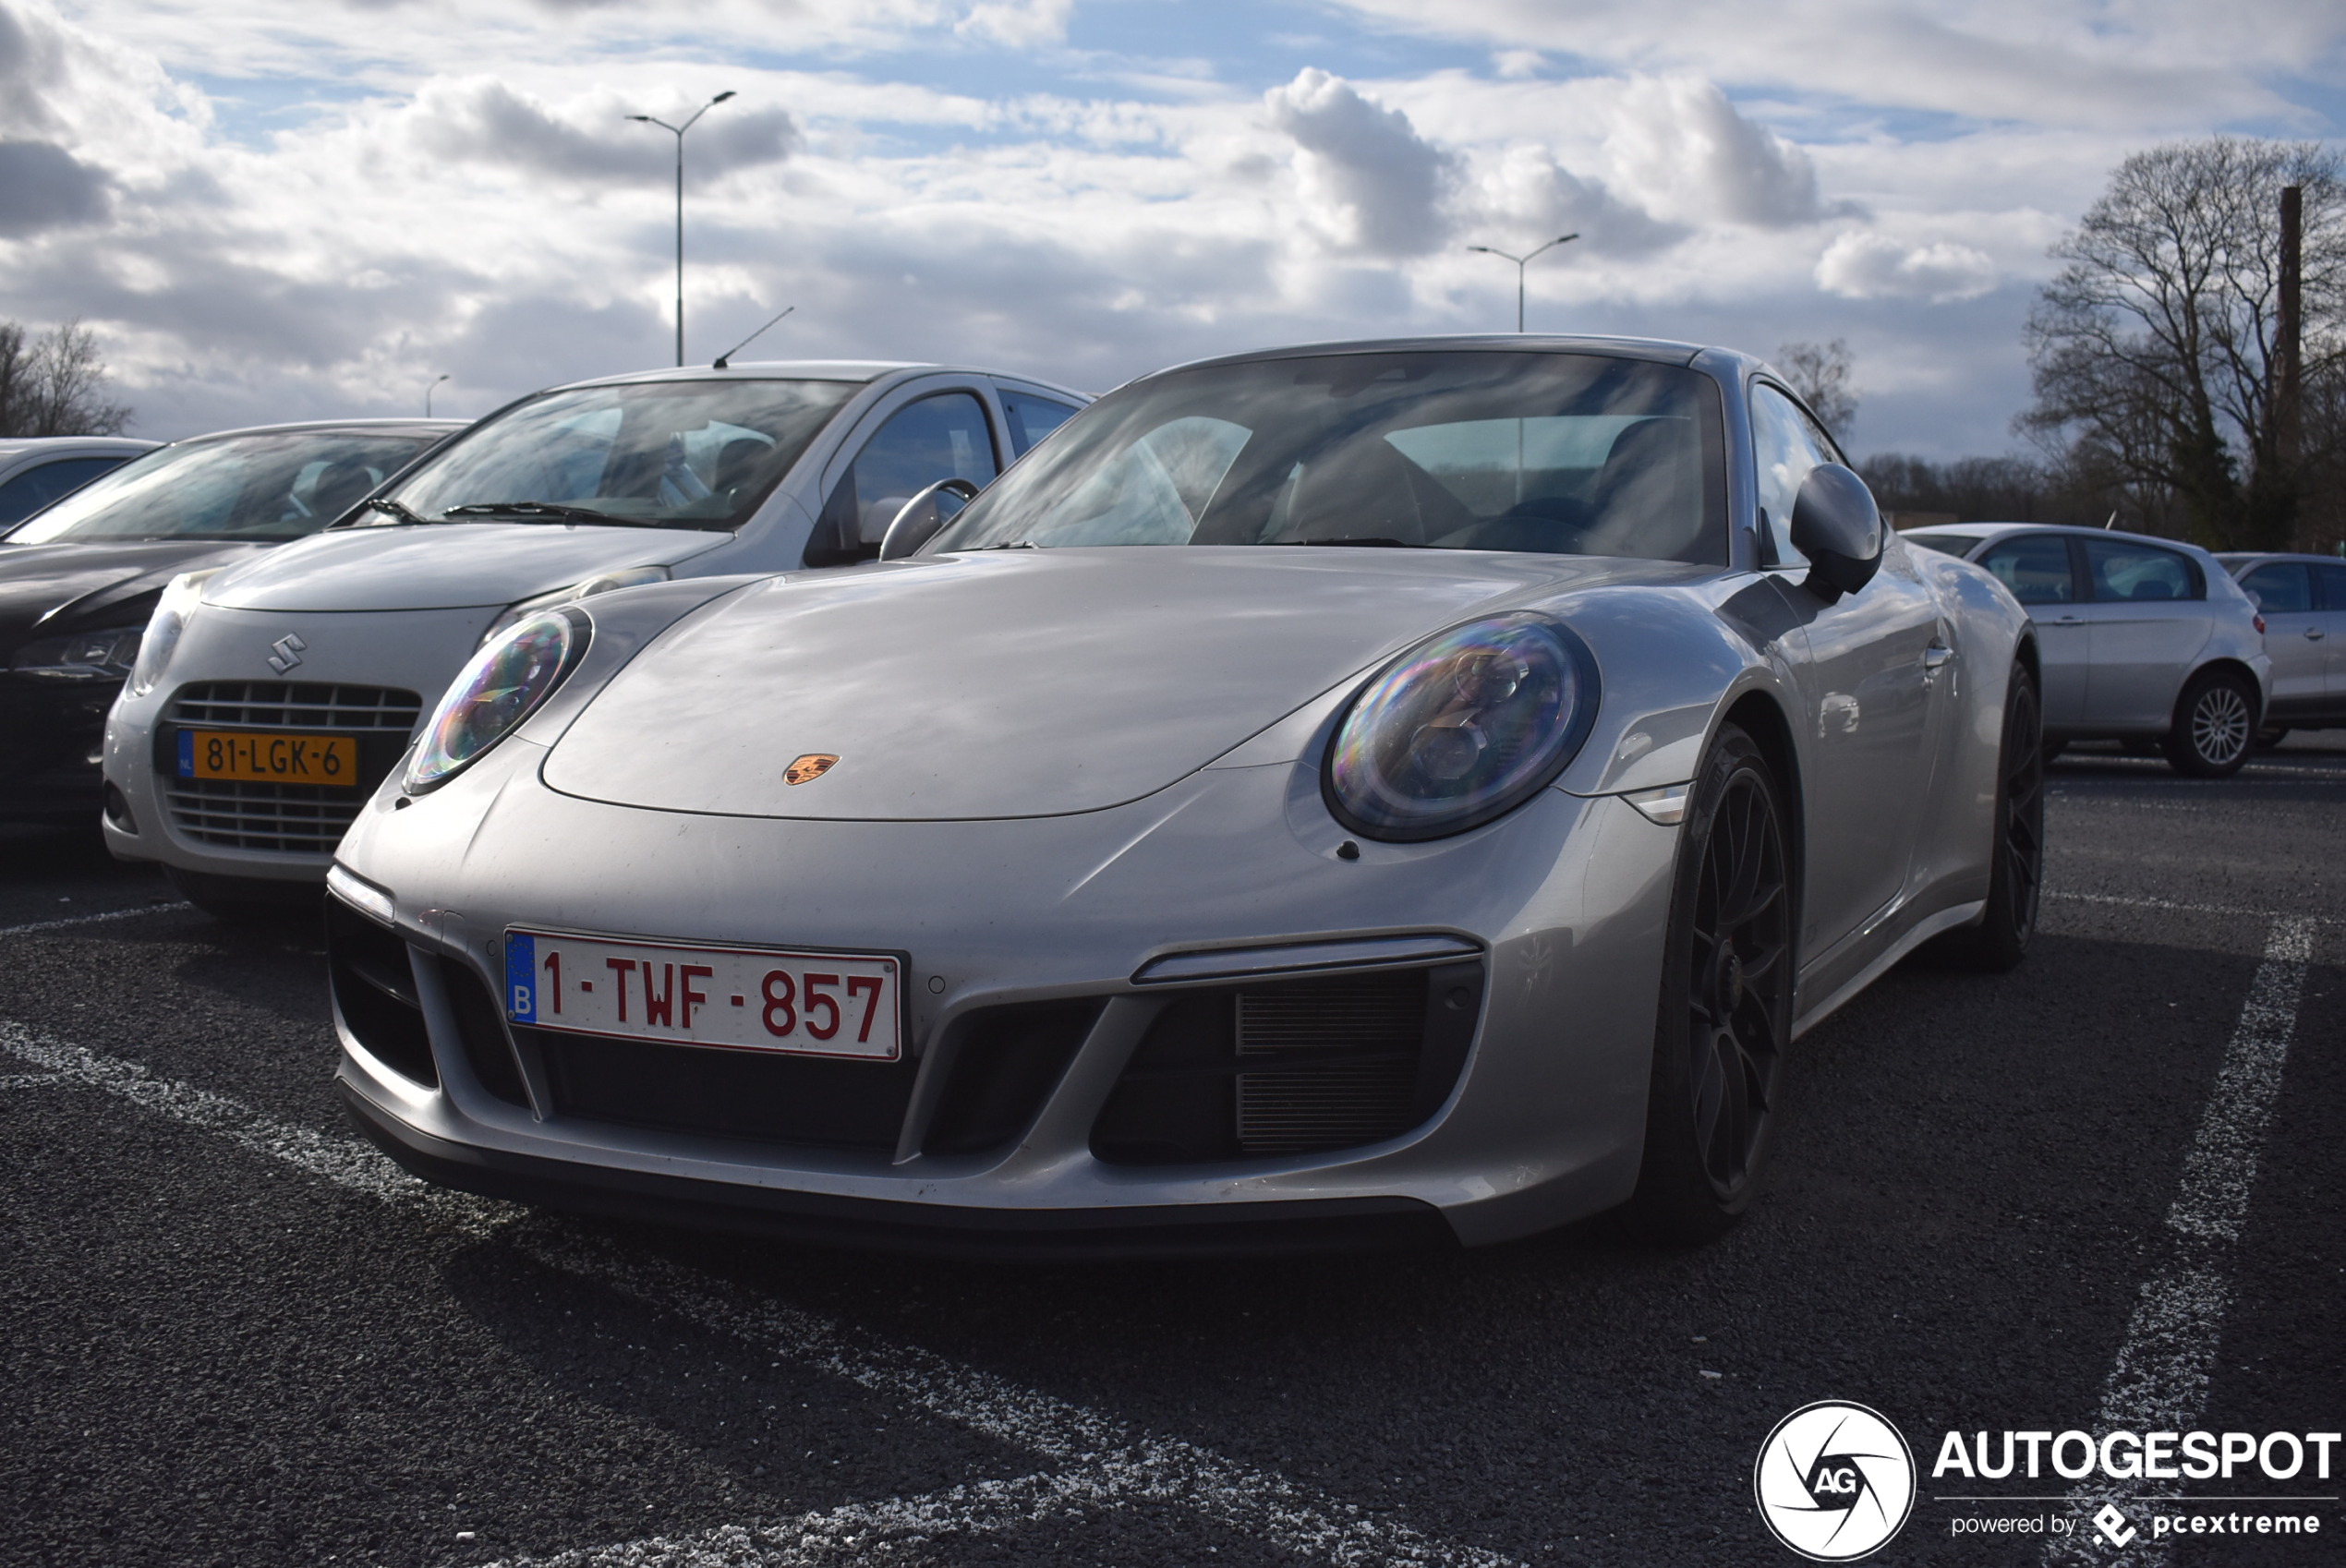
248, 900
2016, 878
2053, 749
2271, 735
1725, 1016
2214, 719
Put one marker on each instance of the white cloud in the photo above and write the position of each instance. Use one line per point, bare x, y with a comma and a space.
1370, 180
1021, 24
1681, 150
1860, 265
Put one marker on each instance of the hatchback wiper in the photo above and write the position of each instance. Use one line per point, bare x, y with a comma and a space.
548, 508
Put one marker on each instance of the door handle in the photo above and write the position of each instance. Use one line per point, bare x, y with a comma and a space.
1934, 655
2069, 620
2314, 634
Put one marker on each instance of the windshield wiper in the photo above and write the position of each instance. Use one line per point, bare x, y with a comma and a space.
548, 508
1378, 542
1013, 544
387, 506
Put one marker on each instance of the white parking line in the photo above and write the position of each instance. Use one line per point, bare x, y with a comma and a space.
2159, 1380
1107, 1463
64, 920
30, 1080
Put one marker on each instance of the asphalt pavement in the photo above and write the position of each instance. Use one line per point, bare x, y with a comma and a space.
230, 1334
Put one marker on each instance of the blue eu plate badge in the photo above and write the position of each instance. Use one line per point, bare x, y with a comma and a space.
521, 977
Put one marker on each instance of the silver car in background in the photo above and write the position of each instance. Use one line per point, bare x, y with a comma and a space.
2145, 641
2303, 599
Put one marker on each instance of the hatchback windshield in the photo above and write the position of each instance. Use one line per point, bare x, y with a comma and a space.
678, 454
278, 485
1561, 453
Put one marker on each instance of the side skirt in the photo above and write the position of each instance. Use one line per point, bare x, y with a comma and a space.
1923, 931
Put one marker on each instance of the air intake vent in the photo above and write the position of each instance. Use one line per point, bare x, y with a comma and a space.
374, 991
486, 1051
758, 1095
1292, 1068
1006, 1061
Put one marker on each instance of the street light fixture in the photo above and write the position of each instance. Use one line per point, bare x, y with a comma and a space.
678, 132
1520, 261
435, 381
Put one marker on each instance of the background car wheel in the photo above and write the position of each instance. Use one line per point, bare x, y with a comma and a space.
2015, 881
2271, 735
2214, 722
2053, 749
1725, 1013
248, 900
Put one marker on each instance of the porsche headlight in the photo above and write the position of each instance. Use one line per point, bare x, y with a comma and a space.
514, 614
502, 685
1463, 727
160, 640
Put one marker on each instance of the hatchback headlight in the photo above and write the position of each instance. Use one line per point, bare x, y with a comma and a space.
514, 614
160, 640
1463, 727
503, 684
86, 656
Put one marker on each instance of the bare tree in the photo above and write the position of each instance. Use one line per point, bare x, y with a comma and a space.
2155, 351
55, 384
1821, 374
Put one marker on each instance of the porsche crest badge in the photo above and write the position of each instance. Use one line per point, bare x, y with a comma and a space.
809, 769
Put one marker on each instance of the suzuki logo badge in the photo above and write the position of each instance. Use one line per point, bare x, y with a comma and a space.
286, 652
809, 769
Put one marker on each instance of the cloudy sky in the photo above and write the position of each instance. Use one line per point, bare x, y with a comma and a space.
278, 209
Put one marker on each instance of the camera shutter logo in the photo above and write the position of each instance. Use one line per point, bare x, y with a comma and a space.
1834, 1482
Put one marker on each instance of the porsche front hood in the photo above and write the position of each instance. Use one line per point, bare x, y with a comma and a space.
445, 566
1009, 684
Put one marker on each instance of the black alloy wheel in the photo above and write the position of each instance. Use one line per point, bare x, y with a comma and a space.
2016, 873
2215, 721
1726, 1005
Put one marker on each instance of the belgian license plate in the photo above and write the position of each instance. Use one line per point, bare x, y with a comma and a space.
268, 759
739, 998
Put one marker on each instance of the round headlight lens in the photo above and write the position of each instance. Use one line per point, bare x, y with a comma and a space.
502, 686
1463, 727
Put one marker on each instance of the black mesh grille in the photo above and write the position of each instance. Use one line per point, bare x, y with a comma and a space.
1296, 1067
375, 992
758, 1095
1004, 1064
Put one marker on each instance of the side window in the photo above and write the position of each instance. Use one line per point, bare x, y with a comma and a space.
2333, 584
1785, 446
2281, 586
2035, 567
943, 436
2123, 572
1032, 418
36, 488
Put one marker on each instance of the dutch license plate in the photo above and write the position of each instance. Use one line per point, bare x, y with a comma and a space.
739, 998
268, 759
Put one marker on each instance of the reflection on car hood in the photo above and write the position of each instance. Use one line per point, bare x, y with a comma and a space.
445, 566
1018, 683
84, 586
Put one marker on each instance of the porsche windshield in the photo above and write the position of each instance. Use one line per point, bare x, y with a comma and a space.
676, 454
1561, 453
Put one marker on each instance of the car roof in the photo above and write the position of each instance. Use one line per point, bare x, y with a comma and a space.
325, 426
854, 371
1659, 350
1984, 532
2256, 556
129, 446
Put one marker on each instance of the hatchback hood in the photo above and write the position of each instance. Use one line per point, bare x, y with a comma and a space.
1012, 683
85, 585
445, 566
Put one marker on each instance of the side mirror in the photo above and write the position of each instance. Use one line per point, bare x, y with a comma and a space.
920, 519
1836, 526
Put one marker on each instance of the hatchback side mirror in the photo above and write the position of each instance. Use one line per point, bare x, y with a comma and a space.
920, 519
1836, 526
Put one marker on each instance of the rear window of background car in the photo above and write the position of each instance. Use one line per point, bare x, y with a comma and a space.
2035, 567
2125, 573
2282, 585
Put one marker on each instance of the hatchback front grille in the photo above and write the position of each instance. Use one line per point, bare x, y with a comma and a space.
297, 705
240, 815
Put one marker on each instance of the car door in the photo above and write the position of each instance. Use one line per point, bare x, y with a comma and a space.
1869, 684
2296, 637
939, 435
2147, 618
2038, 569
2329, 585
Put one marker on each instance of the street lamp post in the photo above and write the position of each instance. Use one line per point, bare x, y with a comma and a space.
435, 381
678, 132
1521, 262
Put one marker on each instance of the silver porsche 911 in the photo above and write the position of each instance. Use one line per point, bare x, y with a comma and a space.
1343, 795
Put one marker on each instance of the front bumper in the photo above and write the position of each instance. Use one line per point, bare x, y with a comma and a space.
49, 768
1561, 907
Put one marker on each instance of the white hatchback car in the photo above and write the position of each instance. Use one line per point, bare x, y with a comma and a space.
271, 696
2145, 641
